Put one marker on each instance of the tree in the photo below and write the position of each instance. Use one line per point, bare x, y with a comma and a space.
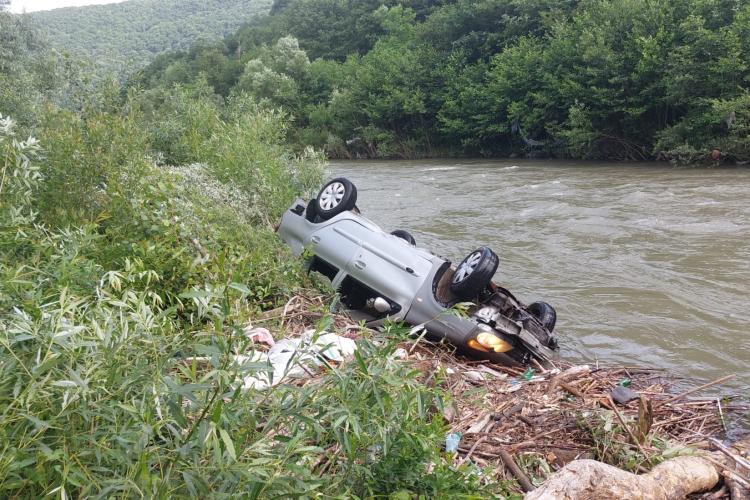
123, 37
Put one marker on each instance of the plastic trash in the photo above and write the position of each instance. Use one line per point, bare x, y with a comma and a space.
296, 358
259, 335
623, 395
451, 442
335, 347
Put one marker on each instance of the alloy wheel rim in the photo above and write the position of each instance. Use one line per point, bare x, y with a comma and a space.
332, 195
467, 267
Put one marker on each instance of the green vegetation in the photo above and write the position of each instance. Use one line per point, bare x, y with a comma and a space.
616, 79
121, 37
125, 286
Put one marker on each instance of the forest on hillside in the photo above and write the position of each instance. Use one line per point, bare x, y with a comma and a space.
614, 79
124, 36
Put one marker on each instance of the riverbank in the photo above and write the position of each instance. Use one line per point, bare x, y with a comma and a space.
127, 363
520, 427
694, 158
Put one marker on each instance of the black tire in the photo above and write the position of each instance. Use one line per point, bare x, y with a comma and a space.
311, 211
474, 273
336, 196
405, 235
545, 313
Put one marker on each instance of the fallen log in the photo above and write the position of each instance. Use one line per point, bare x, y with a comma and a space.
589, 479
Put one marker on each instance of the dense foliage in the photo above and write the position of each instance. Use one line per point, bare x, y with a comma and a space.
124, 36
125, 286
618, 79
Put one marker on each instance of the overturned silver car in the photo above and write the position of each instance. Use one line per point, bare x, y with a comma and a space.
383, 275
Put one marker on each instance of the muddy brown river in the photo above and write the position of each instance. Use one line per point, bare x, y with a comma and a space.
646, 264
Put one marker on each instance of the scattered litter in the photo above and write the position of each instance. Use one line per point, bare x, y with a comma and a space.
335, 347
553, 413
514, 386
540, 417
449, 412
400, 353
480, 425
259, 335
295, 358
494, 373
474, 375
452, 441
623, 395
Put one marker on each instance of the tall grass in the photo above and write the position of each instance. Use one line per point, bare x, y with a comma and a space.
117, 275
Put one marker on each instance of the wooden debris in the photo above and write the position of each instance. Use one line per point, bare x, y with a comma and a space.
698, 389
556, 411
523, 480
645, 418
501, 411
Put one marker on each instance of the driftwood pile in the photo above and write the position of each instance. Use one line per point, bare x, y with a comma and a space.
527, 424
304, 311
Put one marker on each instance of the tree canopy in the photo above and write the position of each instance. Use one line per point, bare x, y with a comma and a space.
127, 35
616, 79
607, 79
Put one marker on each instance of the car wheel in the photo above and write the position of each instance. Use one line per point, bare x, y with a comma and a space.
405, 235
338, 195
474, 273
545, 313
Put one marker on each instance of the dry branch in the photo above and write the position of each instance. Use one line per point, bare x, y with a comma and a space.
523, 480
555, 412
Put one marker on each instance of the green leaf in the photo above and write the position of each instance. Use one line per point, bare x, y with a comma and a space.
228, 443
360, 361
196, 294
216, 416
240, 288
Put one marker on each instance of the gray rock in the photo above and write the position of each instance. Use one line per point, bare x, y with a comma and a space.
623, 395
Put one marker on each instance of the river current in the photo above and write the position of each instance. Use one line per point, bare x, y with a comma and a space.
646, 264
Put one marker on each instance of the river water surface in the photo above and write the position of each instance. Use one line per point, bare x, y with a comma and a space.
646, 264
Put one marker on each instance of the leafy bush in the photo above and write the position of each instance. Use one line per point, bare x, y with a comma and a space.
101, 398
241, 143
20, 176
92, 164
721, 124
118, 334
178, 121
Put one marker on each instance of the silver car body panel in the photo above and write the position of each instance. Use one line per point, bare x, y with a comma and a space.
358, 247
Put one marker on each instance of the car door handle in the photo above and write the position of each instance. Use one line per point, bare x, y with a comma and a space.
359, 264
315, 239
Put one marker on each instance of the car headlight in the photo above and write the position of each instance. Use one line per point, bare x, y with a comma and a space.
492, 342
